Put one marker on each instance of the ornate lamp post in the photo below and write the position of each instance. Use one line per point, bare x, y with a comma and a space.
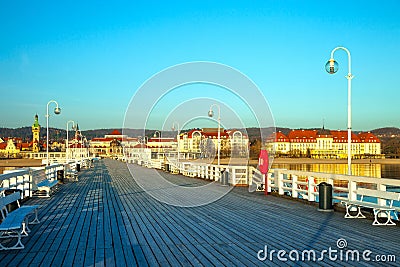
57, 111
332, 67
211, 114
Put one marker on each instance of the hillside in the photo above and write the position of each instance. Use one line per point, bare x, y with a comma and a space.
389, 136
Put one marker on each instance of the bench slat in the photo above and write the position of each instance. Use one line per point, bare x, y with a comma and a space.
378, 194
369, 205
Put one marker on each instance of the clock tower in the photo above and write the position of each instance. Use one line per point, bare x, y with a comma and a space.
35, 134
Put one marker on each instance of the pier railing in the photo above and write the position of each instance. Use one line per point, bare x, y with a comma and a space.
25, 179
303, 184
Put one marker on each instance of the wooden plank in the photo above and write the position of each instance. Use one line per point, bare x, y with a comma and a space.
107, 219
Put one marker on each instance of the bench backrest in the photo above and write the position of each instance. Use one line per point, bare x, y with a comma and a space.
378, 194
4, 201
16, 196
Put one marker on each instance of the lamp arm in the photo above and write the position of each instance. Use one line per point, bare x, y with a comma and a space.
348, 55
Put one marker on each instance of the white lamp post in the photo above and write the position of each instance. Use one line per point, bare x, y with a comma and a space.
159, 140
178, 136
67, 147
211, 114
57, 111
332, 67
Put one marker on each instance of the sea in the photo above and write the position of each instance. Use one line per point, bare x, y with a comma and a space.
391, 171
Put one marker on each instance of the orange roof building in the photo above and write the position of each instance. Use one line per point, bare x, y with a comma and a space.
324, 144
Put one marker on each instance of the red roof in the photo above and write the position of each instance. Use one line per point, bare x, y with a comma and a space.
3, 145
341, 137
115, 132
277, 137
303, 136
190, 133
157, 139
104, 139
23, 145
368, 138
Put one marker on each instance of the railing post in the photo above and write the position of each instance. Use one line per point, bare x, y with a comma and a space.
295, 193
250, 176
276, 174
30, 182
270, 185
279, 179
233, 177
352, 186
381, 187
26, 189
19, 183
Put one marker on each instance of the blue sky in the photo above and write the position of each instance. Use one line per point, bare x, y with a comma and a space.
92, 56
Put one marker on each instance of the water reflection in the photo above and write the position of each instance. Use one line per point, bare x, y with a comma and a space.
370, 170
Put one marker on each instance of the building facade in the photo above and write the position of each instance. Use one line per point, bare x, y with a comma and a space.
204, 142
111, 145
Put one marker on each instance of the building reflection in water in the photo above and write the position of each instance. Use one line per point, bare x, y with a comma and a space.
369, 170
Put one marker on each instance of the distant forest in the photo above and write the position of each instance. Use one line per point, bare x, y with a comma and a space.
389, 136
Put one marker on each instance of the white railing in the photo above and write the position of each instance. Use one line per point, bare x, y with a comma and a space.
16, 179
298, 184
238, 175
26, 179
303, 184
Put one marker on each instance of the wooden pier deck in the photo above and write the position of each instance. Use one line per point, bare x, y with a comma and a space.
106, 219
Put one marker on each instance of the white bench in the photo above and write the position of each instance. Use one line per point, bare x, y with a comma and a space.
15, 223
70, 172
377, 208
46, 186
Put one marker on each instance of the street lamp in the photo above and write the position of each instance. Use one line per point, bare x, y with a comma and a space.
332, 67
178, 136
155, 134
57, 111
67, 147
159, 140
211, 114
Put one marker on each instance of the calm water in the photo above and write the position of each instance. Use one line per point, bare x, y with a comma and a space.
391, 171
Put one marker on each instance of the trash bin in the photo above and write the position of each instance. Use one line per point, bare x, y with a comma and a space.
78, 167
13, 205
325, 197
60, 175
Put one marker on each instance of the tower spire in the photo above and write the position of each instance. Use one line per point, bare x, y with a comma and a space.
36, 134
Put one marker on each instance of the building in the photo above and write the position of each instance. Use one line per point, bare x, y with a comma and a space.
111, 145
204, 143
324, 143
193, 144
